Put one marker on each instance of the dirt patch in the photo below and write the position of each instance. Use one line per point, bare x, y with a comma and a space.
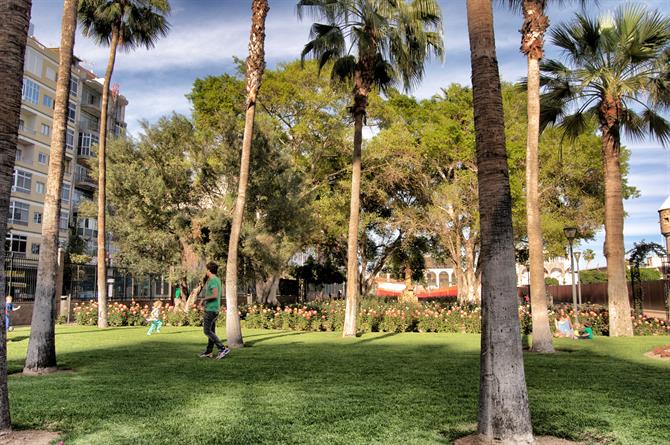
662, 353
477, 439
29, 437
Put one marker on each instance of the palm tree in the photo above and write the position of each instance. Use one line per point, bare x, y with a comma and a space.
371, 43
589, 256
41, 357
127, 24
13, 35
254, 74
617, 74
503, 398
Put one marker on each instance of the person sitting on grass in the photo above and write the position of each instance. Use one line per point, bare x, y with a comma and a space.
154, 319
9, 308
587, 333
563, 326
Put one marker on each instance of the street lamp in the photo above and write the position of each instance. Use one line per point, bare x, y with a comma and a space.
664, 219
577, 255
570, 234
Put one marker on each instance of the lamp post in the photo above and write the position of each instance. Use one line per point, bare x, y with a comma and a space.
570, 234
664, 216
577, 255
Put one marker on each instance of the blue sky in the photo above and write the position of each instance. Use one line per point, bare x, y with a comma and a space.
207, 34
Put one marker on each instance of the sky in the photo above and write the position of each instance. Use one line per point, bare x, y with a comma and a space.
206, 35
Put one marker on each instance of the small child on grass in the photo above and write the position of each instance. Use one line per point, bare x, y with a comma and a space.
155, 319
9, 308
587, 333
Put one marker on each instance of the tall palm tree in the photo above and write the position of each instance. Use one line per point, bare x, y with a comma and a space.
13, 35
617, 73
503, 398
371, 43
254, 75
125, 24
41, 355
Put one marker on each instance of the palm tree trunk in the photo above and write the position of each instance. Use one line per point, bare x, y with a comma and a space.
542, 338
41, 355
351, 309
102, 184
617, 289
13, 34
255, 68
503, 398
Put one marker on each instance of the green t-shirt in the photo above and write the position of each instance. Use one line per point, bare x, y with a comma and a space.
213, 305
589, 331
177, 294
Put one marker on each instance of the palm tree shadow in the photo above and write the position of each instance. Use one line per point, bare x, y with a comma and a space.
18, 338
377, 337
271, 337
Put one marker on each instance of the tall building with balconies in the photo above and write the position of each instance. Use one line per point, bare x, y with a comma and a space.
33, 147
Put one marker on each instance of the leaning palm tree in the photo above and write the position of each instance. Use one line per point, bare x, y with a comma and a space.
617, 73
589, 256
41, 355
371, 43
13, 35
254, 74
503, 397
124, 24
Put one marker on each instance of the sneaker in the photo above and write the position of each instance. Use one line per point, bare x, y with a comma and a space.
224, 352
205, 355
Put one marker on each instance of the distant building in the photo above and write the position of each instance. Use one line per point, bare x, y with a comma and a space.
33, 148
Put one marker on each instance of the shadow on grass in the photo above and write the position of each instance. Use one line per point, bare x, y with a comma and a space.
377, 337
410, 389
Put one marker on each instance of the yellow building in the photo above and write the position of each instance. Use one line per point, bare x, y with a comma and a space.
33, 148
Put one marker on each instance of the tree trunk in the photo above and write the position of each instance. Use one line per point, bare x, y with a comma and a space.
351, 310
254, 74
102, 184
41, 355
266, 291
617, 288
13, 34
542, 338
503, 399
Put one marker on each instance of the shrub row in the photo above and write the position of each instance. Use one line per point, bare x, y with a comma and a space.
373, 316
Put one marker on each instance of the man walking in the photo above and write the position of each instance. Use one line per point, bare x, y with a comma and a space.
212, 302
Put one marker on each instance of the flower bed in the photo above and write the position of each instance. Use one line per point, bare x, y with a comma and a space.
373, 316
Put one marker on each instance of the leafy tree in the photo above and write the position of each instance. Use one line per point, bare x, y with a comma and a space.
41, 355
592, 276
503, 398
371, 43
126, 24
636, 256
13, 35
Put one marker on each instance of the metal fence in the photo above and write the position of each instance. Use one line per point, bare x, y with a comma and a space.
20, 277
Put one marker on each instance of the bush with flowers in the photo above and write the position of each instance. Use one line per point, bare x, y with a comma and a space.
373, 316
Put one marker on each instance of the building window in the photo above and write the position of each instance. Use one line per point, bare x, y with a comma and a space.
42, 158
46, 130
16, 243
48, 101
33, 62
74, 86
37, 218
18, 213
31, 91
86, 141
67, 167
19, 154
22, 124
50, 74
65, 193
35, 249
69, 139
71, 113
22, 181
64, 217
40, 188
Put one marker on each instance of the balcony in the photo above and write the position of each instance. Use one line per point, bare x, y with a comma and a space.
91, 105
84, 181
87, 233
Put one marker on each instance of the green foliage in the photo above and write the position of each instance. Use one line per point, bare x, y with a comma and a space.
646, 274
550, 281
592, 276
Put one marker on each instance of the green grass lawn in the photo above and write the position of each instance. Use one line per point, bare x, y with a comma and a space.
309, 388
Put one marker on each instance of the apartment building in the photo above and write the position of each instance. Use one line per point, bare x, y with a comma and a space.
33, 148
